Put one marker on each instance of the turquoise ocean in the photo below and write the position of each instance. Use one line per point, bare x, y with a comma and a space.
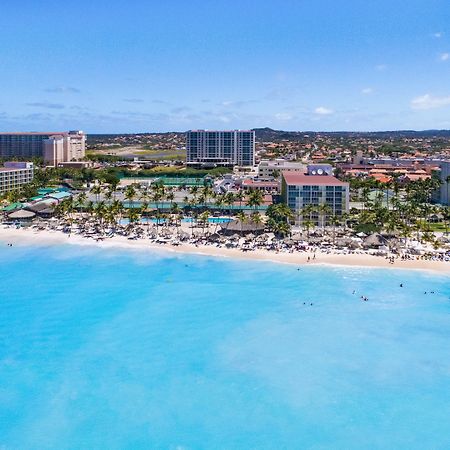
125, 349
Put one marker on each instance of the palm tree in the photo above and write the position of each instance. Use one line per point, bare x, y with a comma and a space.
108, 195
256, 218
242, 218
255, 199
134, 215
308, 211
204, 217
206, 192
156, 197
177, 213
96, 190
280, 213
130, 194
117, 208
90, 208
113, 186
324, 211
170, 196
229, 201
240, 197
81, 200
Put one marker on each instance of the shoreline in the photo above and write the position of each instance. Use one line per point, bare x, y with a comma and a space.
33, 237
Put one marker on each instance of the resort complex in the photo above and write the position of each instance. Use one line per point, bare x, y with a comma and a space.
230, 194
248, 248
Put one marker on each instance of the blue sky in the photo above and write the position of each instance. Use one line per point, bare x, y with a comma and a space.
138, 66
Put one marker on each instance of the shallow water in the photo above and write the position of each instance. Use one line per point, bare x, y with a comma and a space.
121, 349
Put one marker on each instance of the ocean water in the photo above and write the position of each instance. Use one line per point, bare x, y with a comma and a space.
119, 349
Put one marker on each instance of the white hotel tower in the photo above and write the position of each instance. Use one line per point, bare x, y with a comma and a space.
220, 148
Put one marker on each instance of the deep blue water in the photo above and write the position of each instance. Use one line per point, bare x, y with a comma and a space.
103, 349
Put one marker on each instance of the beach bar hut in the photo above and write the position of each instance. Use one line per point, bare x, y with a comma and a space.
374, 241
22, 215
237, 226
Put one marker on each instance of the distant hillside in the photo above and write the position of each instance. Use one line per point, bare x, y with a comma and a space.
268, 134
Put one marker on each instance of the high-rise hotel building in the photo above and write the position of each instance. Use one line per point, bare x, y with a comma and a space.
53, 147
220, 148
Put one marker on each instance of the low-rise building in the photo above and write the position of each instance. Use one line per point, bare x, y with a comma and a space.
269, 169
316, 198
269, 187
14, 175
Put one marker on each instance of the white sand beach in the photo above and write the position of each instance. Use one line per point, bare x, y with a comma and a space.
45, 237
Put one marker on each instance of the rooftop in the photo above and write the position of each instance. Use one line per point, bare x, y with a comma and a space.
13, 169
298, 178
248, 182
40, 133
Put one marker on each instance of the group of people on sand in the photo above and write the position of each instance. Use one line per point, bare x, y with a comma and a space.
313, 258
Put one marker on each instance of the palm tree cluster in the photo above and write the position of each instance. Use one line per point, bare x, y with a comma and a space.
409, 209
198, 202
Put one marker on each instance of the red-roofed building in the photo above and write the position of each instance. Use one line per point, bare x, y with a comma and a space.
271, 187
315, 193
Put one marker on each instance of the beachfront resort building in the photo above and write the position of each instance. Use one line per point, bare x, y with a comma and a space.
314, 197
13, 175
220, 148
53, 147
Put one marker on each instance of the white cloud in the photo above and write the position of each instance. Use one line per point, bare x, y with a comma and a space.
133, 100
46, 105
63, 90
438, 35
283, 116
444, 56
367, 91
428, 101
322, 111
